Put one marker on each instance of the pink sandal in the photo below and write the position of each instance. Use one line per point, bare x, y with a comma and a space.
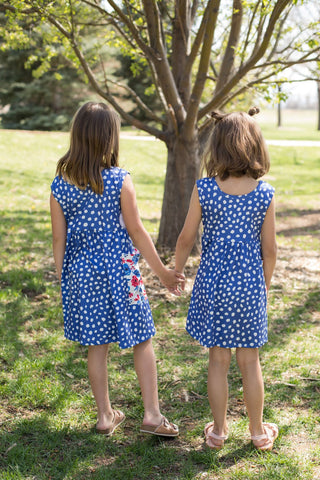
268, 437
213, 440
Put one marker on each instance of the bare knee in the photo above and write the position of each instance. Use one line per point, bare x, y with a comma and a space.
98, 350
143, 346
220, 358
247, 358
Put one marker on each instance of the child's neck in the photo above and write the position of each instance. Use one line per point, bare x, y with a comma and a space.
237, 185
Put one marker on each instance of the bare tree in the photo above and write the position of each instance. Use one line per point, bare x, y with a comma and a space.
201, 54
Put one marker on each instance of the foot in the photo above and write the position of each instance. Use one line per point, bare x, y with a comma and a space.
265, 441
213, 440
163, 429
118, 418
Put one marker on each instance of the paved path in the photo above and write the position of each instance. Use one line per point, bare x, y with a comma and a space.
280, 143
294, 143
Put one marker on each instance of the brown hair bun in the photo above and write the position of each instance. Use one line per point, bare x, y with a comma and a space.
253, 111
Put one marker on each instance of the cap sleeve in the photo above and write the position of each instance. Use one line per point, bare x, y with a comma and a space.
268, 193
58, 190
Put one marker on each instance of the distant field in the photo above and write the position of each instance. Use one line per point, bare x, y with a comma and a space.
295, 124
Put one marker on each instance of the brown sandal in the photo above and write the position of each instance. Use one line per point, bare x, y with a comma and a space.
164, 429
118, 418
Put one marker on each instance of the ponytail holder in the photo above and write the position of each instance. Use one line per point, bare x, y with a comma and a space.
217, 116
253, 111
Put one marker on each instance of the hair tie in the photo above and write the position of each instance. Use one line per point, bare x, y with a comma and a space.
253, 111
217, 116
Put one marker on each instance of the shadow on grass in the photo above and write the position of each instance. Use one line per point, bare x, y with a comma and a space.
25, 298
25, 234
307, 226
300, 231
295, 212
296, 317
34, 449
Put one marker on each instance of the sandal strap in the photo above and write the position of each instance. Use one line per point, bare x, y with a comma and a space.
217, 437
208, 431
263, 436
166, 427
270, 432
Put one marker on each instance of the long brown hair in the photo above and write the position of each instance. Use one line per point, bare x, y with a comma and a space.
94, 144
236, 147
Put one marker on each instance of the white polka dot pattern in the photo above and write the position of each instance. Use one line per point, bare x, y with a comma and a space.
228, 306
102, 301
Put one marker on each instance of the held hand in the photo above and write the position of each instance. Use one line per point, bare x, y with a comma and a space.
171, 280
182, 282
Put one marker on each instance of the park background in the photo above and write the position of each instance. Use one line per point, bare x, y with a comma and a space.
47, 412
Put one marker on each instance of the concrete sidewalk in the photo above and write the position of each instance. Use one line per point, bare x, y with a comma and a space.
294, 143
280, 143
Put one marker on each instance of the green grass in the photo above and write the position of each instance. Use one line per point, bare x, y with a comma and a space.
48, 412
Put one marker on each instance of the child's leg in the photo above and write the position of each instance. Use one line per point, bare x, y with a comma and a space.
145, 365
98, 376
253, 389
219, 362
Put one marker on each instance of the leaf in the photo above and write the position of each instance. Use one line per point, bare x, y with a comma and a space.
11, 447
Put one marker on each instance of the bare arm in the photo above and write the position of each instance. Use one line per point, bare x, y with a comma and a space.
268, 243
142, 239
189, 232
59, 234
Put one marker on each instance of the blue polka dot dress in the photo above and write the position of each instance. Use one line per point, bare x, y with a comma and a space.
103, 296
228, 305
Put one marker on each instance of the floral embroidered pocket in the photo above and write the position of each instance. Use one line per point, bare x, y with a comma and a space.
137, 292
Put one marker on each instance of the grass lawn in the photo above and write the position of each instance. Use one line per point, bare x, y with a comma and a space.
47, 410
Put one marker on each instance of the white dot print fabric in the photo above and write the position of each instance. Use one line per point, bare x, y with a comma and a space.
103, 295
228, 306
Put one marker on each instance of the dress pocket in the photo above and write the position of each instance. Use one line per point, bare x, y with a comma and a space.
137, 292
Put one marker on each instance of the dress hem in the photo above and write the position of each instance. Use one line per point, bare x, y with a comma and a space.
223, 346
111, 341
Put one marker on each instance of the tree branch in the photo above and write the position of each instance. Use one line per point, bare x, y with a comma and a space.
181, 31
190, 122
160, 60
229, 54
125, 19
149, 113
197, 42
259, 29
275, 15
27, 11
260, 80
246, 42
278, 36
250, 63
107, 96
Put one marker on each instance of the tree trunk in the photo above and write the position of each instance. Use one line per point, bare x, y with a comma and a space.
279, 108
318, 85
182, 173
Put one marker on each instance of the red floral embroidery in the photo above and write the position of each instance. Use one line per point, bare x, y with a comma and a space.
137, 293
135, 281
